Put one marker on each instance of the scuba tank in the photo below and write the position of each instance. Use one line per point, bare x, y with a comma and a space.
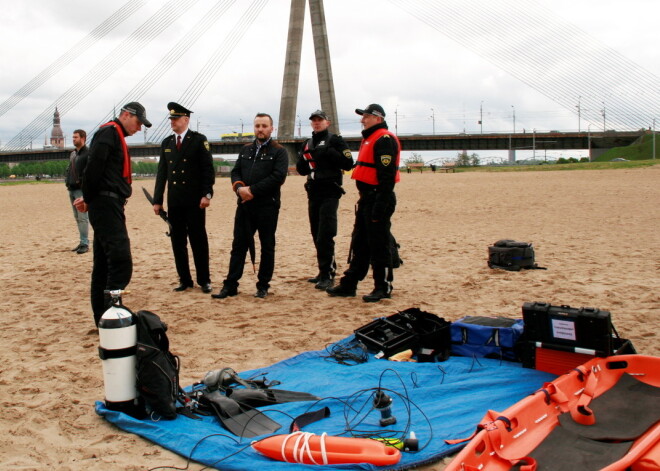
117, 348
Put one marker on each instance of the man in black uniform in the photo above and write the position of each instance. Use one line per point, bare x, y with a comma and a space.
256, 178
376, 172
74, 173
106, 187
322, 159
186, 165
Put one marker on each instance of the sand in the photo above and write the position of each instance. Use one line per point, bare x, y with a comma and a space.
595, 231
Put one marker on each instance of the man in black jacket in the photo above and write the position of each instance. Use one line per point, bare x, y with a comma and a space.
74, 173
106, 186
376, 172
256, 179
322, 159
186, 165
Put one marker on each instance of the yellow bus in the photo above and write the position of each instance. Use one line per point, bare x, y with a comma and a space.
237, 137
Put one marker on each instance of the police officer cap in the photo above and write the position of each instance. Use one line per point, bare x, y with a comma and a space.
176, 110
373, 109
138, 110
320, 113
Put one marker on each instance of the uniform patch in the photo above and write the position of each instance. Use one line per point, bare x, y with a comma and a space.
168, 150
347, 154
207, 146
386, 159
386, 136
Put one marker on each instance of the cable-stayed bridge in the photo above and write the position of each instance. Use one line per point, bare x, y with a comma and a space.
523, 38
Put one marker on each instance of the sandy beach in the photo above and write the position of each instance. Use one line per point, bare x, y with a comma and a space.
597, 232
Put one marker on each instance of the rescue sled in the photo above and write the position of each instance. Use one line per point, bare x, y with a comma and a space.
603, 415
307, 448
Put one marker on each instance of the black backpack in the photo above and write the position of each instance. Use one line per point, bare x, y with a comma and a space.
510, 255
157, 367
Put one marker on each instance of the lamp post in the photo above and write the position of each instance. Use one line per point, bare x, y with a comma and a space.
589, 140
514, 118
241, 126
579, 111
604, 113
653, 138
396, 120
534, 144
481, 116
433, 118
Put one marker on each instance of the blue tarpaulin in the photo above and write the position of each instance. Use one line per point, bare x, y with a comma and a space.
437, 401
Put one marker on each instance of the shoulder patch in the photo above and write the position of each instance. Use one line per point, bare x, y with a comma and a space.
207, 146
168, 150
386, 160
347, 154
386, 136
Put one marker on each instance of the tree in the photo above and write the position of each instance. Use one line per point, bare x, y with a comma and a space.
463, 159
414, 158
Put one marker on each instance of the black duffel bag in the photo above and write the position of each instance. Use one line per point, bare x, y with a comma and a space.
511, 255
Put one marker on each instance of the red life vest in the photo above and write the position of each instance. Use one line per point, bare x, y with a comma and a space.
365, 170
308, 157
126, 173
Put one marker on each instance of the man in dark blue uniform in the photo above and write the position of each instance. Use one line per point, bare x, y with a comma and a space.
186, 165
322, 159
256, 178
106, 186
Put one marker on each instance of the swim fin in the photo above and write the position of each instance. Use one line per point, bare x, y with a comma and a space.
267, 397
239, 420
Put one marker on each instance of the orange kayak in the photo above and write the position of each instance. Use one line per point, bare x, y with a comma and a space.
604, 415
307, 448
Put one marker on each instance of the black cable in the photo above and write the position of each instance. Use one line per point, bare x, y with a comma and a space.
349, 354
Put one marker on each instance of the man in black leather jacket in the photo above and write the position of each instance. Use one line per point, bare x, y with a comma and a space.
323, 158
260, 171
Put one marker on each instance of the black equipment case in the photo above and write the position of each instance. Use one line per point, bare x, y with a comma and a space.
560, 337
426, 334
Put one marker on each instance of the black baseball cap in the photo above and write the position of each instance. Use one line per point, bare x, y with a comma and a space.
138, 110
176, 110
320, 114
373, 109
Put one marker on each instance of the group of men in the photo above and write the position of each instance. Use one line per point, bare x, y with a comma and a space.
186, 173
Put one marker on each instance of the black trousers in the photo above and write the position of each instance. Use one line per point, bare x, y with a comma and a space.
323, 224
113, 264
370, 245
249, 219
189, 223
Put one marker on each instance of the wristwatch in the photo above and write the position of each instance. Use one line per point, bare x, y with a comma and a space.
209, 196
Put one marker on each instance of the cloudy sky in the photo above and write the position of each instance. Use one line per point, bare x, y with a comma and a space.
426, 81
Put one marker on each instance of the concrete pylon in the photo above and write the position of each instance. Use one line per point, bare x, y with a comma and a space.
323, 66
289, 99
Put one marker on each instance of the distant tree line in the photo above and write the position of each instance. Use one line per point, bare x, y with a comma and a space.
57, 168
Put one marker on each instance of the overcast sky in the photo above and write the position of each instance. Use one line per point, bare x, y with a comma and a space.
380, 54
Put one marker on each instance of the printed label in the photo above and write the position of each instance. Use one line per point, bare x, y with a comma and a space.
563, 329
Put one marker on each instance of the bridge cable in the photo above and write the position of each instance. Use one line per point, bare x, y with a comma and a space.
193, 34
144, 34
65, 59
201, 81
